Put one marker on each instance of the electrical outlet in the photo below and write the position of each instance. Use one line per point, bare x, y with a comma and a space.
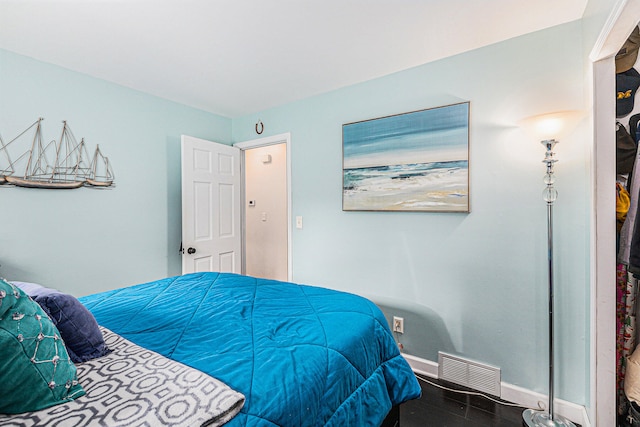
398, 324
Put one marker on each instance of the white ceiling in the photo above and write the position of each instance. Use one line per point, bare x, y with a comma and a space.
236, 57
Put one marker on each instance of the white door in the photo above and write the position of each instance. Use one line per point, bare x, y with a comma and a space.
211, 220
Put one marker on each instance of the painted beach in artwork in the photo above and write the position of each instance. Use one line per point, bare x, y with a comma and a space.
416, 161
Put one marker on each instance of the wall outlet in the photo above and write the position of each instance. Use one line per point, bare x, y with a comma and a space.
398, 324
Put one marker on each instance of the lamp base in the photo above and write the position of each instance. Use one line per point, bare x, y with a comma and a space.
542, 419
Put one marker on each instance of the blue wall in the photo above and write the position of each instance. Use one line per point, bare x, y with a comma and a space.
472, 284
83, 240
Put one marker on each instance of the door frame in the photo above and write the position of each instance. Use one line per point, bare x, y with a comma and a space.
623, 18
283, 138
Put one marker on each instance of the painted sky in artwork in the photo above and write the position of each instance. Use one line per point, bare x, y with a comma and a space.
434, 135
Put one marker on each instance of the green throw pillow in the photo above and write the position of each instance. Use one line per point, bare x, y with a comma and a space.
35, 369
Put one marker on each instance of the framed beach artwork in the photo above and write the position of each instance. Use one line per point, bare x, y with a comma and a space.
417, 161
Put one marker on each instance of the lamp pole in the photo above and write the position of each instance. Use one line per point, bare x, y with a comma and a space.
541, 418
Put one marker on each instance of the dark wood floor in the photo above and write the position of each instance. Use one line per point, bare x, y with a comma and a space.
441, 408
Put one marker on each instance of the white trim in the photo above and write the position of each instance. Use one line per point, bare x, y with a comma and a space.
283, 138
623, 18
263, 142
586, 421
531, 399
603, 46
509, 392
602, 248
422, 366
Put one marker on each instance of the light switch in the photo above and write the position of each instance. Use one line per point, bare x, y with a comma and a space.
263, 216
298, 222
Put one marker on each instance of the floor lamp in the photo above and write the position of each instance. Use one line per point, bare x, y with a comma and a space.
547, 127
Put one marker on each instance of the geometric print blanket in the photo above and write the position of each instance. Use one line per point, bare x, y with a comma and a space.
136, 387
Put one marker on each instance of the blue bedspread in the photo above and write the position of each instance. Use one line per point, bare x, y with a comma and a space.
301, 355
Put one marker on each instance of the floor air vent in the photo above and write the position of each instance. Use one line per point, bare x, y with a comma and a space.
469, 374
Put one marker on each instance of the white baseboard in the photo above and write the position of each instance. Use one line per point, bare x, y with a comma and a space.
521, 396
422, 366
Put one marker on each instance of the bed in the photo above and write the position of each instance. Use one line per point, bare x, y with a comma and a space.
298, 355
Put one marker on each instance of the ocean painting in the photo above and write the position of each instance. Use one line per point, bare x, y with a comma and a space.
416, 161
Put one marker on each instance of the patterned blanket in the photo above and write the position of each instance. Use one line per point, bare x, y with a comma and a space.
132, 387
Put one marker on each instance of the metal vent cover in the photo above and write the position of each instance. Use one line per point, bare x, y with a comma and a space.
470, 374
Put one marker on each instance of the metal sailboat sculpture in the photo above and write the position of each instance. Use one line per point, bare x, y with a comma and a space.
6, 167
62, 165
101, 174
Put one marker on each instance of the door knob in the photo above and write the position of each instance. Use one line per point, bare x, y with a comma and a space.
191, 250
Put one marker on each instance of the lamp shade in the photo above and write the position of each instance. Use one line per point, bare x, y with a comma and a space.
551, 125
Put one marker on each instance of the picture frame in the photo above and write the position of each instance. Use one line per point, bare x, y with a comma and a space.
416, 161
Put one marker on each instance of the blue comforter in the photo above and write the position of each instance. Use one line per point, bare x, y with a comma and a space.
301, 355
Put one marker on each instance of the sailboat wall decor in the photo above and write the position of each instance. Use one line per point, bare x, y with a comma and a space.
55, 165
5, 167
101, 174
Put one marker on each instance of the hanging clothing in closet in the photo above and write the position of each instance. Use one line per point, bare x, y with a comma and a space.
627, 199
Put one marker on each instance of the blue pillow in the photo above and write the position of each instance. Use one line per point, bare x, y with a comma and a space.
76, 324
